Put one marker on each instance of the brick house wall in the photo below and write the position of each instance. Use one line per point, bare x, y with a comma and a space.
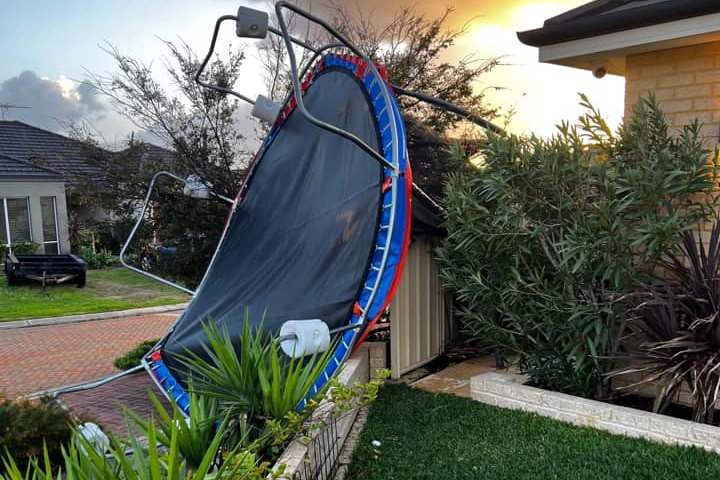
686, 82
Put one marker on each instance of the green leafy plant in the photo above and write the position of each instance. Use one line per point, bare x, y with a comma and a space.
547, 237
675, 334
96, 259
19, 247
133, 357
28, 426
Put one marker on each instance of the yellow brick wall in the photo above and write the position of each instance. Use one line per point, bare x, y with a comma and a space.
686, 82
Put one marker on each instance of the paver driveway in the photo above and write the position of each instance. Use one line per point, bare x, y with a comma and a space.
36, 359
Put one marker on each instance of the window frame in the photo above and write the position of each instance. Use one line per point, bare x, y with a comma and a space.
55, 220
6, 215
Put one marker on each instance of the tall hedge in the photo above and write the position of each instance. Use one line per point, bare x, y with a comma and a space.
546, 237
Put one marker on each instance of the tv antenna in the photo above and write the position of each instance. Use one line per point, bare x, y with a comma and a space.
4, 107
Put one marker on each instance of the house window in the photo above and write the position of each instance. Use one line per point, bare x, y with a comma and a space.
48, 209
15, 218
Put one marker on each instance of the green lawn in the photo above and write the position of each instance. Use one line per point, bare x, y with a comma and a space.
108, 289
436, 436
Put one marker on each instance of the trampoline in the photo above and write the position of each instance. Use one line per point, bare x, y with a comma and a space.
319, 230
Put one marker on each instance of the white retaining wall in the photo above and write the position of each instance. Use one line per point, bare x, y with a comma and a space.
508, 392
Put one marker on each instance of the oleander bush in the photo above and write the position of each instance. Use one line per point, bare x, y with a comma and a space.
548, 237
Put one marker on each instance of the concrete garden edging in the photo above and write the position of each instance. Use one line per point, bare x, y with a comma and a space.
508, 391
319, 452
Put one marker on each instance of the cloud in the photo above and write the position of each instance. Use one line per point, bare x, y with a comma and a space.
50, 102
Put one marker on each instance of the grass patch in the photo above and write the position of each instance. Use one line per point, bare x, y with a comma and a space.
107, 290
437, 436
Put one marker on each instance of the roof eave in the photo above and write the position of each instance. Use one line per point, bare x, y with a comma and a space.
600, 24
611, 49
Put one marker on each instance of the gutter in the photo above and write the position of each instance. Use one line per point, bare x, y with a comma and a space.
603, 23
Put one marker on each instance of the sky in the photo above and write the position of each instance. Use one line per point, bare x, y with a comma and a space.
50, 46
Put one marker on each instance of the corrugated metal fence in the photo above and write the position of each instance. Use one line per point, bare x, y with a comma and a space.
418, 313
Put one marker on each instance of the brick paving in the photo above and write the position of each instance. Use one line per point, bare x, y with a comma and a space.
36, 359
103, 405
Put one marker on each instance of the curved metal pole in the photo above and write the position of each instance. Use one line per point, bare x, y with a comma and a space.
451, 107
298, 90
137, 226
204, 63
437, 102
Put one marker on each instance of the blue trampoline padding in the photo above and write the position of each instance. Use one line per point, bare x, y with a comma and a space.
384, 268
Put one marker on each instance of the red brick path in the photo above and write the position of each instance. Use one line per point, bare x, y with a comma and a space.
35, 359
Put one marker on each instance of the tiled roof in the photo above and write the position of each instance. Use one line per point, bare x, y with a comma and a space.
607, 16
14, 168
46, 149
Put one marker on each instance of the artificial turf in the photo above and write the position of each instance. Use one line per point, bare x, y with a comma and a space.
438, 436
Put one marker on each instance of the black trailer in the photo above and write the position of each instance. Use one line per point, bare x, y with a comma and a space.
47, 269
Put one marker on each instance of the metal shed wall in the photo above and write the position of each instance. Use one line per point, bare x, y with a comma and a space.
418, 323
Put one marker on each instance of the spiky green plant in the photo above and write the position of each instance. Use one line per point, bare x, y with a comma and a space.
253, 382
194, 434
675, 337
134, 460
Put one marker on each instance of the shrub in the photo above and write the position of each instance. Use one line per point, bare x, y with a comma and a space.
96, 259
547, 237
132, 358
110, 235
20, 247
25, 426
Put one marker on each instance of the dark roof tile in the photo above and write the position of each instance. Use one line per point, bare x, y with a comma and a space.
15, 168
46, 149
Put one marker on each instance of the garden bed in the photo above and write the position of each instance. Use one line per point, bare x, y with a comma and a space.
508, 391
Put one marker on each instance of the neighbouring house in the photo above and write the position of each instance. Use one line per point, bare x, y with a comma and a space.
32, 205
669, 47
38, 171
38, 166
